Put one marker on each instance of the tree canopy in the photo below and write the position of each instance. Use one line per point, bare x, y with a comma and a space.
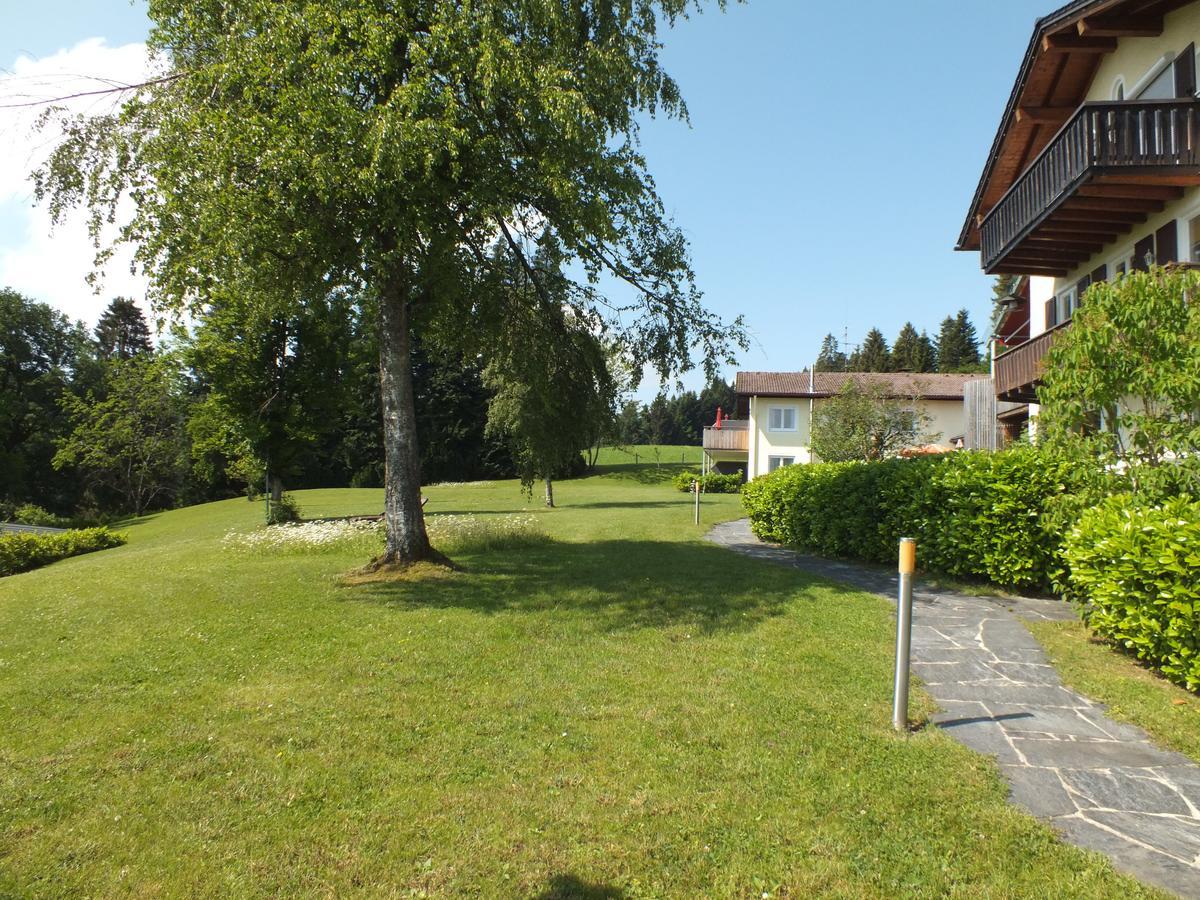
865, 424
384, 151
122, 332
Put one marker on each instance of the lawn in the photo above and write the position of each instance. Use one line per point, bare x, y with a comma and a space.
619, 710
1132, 693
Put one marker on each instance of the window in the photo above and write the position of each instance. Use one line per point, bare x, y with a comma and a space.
781, 418
1194, 239
778, 462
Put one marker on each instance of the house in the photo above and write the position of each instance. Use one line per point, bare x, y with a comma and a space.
773, 421
1094, 172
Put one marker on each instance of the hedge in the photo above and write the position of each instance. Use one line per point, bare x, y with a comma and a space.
714, 482
1137, 571
974, 515
21, 552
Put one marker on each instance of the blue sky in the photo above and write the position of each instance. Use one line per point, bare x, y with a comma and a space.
832, 152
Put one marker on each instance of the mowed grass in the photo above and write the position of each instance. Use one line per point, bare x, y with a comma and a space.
621, 710
1132, 693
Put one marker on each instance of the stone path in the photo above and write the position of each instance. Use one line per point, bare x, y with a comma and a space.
1100, 783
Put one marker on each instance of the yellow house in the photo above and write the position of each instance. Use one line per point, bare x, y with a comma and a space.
773, 421
1094, 171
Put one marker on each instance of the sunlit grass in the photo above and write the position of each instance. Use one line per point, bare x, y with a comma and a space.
612, 705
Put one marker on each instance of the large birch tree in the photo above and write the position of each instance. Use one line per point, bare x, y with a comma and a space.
384, 146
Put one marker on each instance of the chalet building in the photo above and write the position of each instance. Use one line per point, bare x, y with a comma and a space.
773, 421
1094, 172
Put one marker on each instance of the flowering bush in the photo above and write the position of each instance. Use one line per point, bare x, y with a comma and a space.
309, 537
476, 534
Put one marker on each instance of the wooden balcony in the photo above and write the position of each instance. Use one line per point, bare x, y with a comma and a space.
1109, 168
1019, 370
733, 435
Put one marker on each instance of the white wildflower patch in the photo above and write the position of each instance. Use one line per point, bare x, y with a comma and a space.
469, 533
309, 537
462, 484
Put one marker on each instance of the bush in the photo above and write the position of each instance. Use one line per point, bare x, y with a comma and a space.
32, 514
1136, 568
283, 510
22, 552
974, 515
714, 482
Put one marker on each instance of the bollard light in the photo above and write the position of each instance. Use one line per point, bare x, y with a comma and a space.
907, 567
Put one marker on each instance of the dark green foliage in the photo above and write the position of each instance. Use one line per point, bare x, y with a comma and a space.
285, 509
32, 514
958, 344
676, 421
122, 331
912, 352
974, 515
831, 358
713, 482
1136, 570
22, 552
873, 355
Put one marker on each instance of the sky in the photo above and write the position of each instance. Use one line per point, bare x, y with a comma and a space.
830, 157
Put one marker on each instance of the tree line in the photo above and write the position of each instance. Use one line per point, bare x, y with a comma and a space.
955, 349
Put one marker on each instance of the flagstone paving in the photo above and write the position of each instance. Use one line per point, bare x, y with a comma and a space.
1102, 784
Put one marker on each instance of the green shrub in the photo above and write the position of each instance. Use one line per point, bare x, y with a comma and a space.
714, 482
22, 552
32, 514
974, 515
1136, 569
283, 510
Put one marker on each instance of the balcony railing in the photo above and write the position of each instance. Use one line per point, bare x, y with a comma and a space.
734, 434
1119, 138
1019, 370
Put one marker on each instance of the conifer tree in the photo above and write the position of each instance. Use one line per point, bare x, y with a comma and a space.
873, 355
906, 349
831, 358
122, 332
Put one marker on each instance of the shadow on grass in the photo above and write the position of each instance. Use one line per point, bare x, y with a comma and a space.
569, 887
616, 584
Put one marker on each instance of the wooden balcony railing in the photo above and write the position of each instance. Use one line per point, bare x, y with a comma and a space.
1019, 370
734, 434
1111, 140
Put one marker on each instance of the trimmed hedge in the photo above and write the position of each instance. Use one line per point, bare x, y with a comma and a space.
1137, 571
21, 552
974, 515
714, 482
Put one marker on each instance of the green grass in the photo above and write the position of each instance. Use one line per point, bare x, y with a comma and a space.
620, 710
1133, 693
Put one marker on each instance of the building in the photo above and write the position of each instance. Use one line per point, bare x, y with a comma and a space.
1094, 172
773, 421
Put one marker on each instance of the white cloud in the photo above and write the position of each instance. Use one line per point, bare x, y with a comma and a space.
53, 265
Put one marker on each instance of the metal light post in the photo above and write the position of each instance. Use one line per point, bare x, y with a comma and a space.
904, 605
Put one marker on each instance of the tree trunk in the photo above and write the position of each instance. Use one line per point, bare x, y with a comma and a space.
407, 540
549, 493
276, 489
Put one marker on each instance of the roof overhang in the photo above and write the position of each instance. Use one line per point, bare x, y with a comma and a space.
1055, 75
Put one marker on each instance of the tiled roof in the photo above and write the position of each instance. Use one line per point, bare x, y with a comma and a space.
902, 385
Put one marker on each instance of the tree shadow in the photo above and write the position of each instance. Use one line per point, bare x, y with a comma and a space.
646, 472
616, 585
571, 887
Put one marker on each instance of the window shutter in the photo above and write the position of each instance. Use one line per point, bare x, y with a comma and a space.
1141, 249
1167, 241
1185, 72
1051, 312
1101, 274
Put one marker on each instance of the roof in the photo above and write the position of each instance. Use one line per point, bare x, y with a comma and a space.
901, 385
1052, 78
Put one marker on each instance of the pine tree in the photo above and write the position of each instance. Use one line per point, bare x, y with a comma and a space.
873, 355
905, 350
831, 358
121, 332
957, 344
924, 355
969, 339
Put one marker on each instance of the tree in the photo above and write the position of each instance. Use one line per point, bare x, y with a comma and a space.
873, 355
122, 331
863, 423
957, 344
913, 352
831, 358
1127, 374
384, 151
133, 441
43, 358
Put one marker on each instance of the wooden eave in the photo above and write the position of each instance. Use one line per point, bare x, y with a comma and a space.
1060, 64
